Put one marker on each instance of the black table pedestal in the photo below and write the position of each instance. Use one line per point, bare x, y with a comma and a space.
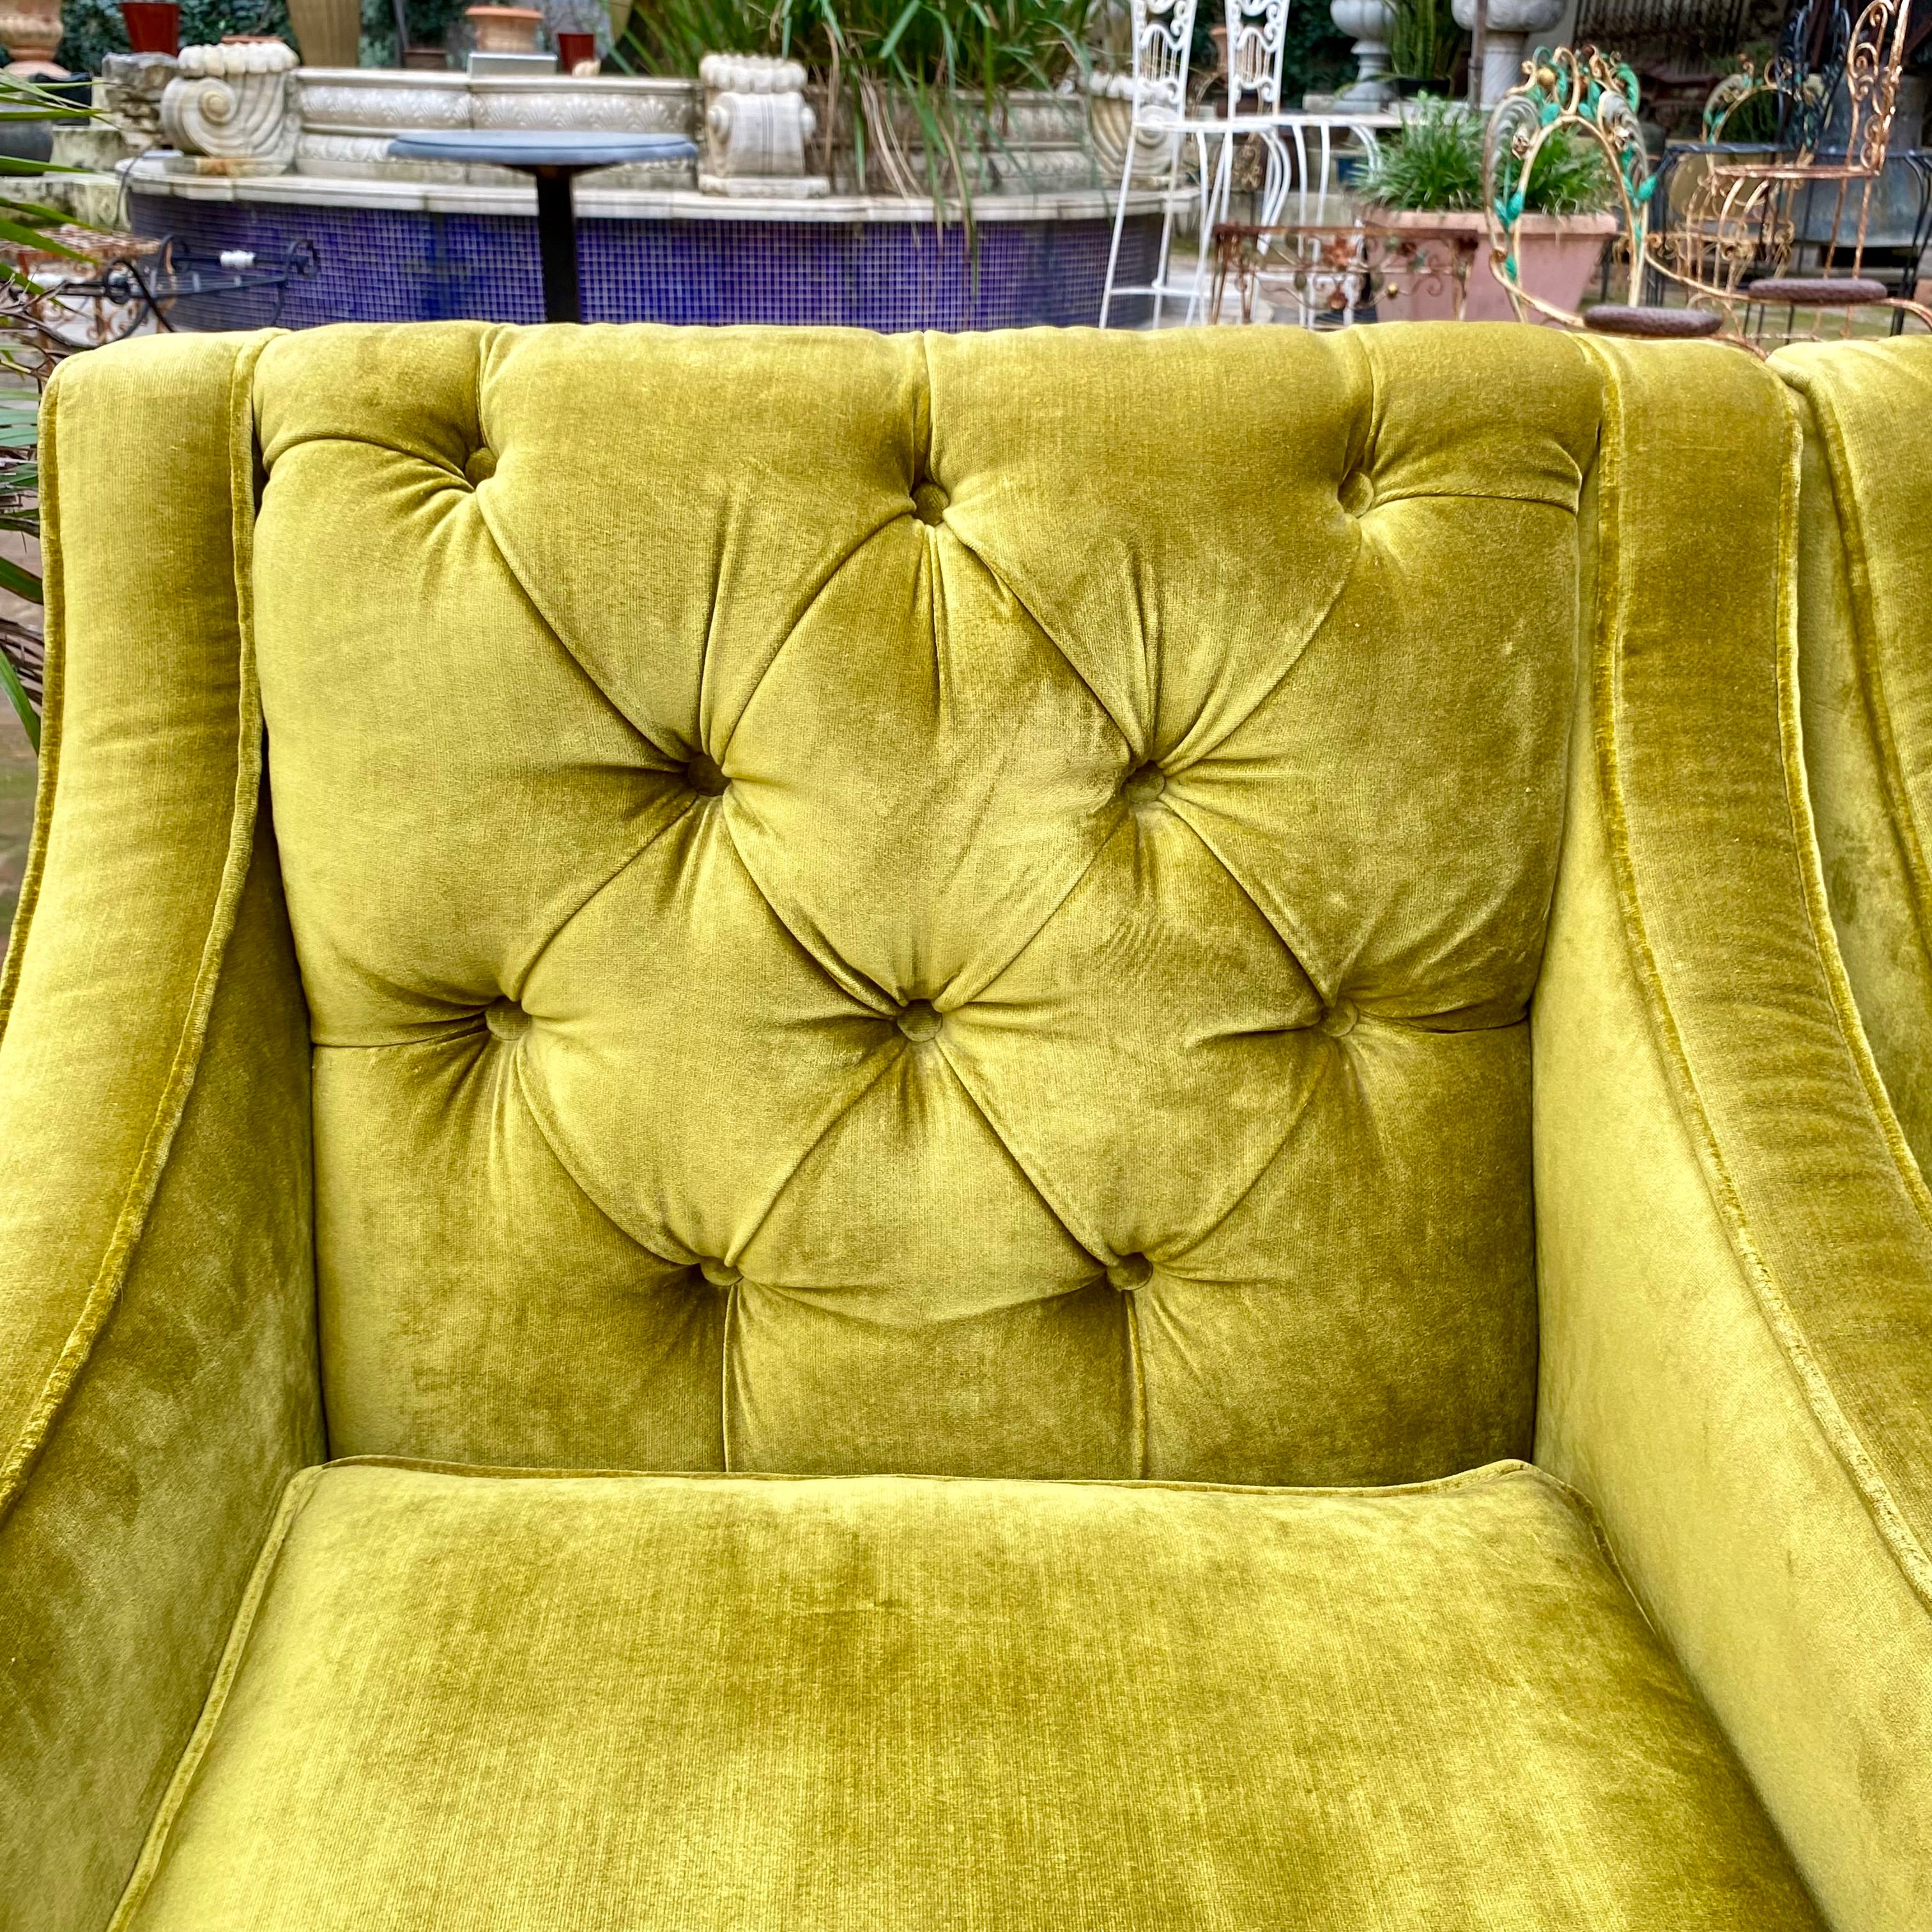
557, 241
556, 160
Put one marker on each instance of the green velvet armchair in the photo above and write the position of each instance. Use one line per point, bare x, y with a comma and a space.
1042, 1131
1865, 674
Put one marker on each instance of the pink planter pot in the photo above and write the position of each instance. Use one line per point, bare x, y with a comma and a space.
1557, 258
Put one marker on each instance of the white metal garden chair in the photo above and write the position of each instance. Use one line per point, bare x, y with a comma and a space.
1163, 33
1257, 30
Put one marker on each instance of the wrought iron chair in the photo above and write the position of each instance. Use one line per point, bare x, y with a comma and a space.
1593, 96
1256, 31
1737, 238
1163, 34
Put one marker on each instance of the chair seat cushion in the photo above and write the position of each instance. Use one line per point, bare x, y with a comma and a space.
459, 1699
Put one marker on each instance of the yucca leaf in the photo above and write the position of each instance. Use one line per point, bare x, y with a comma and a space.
22, 583
904, 20
23, 705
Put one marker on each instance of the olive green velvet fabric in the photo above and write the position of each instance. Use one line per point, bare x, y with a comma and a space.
488, 1701
1865, 663
1735, 1270
905, 915
158, 1377
865, 904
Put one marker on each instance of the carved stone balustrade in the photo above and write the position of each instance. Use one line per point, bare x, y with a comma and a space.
351, 114
234, 108
757, 126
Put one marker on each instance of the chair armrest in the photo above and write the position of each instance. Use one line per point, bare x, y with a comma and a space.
1734, 1254
1865, 669
157, 1379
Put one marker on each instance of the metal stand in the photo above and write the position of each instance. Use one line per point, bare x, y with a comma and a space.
554, 159
557, 241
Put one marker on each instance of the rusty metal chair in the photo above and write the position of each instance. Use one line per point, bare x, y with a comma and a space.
1763, 227
1592, 96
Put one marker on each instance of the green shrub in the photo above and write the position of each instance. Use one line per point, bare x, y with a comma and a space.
1436, 162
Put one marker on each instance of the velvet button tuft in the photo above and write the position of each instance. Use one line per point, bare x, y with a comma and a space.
1130, 1272
918, 1020
1145, 785
928, 503
1358, 493
720, 1274
704, 774
1338, 1019
481, 466
506, 1020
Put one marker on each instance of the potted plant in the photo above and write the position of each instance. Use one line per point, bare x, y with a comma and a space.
938, 97
1428, 180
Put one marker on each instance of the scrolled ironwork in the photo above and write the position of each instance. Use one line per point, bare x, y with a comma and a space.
1564, 90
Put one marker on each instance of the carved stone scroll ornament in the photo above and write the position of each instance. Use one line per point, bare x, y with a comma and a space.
756, 123
234, 108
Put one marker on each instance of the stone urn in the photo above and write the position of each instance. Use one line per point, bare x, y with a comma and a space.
1368, 23
1512, 22
505, 30
30, 30
1110, 121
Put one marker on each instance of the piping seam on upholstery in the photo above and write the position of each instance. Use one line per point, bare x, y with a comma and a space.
1817, 901
103, 1294
154, 1849
1864, 628
725, 1376
1613, 597
52, 687
1505, 1468
1137, 1393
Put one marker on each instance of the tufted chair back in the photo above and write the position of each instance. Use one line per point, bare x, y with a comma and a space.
866, 906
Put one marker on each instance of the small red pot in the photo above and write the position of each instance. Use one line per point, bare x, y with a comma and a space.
154, 26
573, 48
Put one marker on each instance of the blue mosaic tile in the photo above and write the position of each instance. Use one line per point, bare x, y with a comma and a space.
386, 265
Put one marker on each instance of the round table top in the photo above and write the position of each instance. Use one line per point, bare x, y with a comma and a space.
558, 147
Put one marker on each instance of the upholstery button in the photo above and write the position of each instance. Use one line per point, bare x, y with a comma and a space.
506, 1020
1130, 1272
1340, 1018
1358, 493
928, 503
720, 1274
481, 466
919, 1020
704, 774
1145, 785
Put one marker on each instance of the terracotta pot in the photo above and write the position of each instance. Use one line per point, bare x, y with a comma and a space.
505, 30
30, 30
1557, 257
329, 32
154, 26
